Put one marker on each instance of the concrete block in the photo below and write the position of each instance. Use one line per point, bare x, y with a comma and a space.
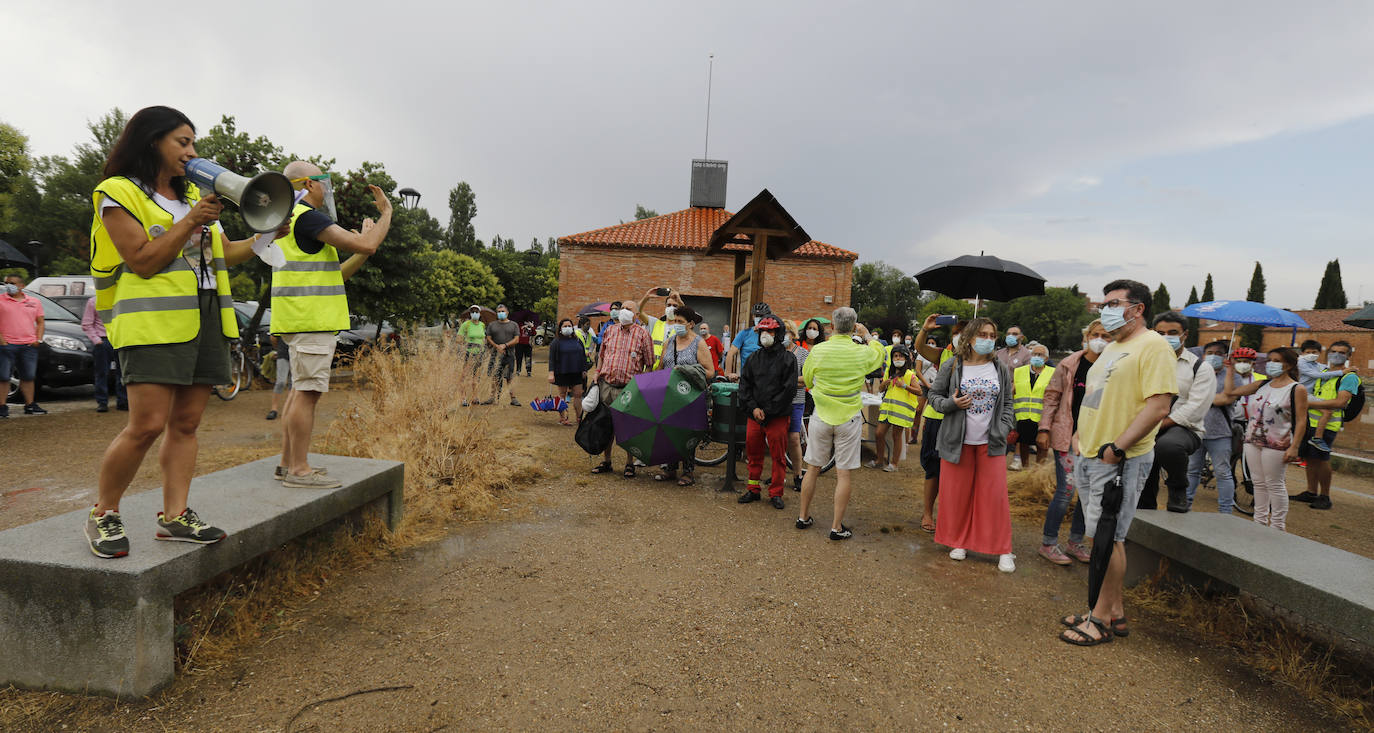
72, 621
1318, 582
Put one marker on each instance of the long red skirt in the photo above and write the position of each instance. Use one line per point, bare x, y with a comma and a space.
974, 511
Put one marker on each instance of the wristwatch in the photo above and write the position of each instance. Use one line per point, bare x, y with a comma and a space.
1103, 451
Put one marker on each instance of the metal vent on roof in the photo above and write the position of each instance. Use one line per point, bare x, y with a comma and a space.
708, 183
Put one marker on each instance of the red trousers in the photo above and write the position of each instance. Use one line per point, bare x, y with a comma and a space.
759, 440
975, 513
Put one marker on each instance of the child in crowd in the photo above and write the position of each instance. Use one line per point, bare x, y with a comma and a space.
901, 390
1310, 372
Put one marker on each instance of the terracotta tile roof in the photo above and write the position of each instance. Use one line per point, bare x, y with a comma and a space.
689, 229
1317, 320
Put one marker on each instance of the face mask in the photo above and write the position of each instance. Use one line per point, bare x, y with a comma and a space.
1307, 357
1037, 361
955, 342
984, 346
625, 317
899, 363
474, 316
1011, 340
1214, 361
1273, 368
1174, 342
1097, 345
756, 321
1244, 367
704, 332
567, 330
907, 342
1113, 318
1336, 359
676, 329
500, 315
615, 313
787, 341
668, 312
812, 333
765, 339
11, 289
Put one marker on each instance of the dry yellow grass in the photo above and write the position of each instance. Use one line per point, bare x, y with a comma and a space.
1031, 490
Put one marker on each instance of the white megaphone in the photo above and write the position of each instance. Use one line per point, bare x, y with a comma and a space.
265, 200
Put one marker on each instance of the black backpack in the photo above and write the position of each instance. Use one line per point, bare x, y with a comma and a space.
1355, 406
596, 431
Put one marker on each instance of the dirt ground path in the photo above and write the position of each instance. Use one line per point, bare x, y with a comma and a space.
606, 603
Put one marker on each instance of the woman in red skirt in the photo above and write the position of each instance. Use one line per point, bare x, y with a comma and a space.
974, 391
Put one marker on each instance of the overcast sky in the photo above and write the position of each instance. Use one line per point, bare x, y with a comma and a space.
1153, 140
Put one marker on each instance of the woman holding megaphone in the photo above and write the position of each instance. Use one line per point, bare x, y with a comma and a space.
160, 262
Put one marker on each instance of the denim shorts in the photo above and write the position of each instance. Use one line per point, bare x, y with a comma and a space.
795, 426
1090, 477
19, 360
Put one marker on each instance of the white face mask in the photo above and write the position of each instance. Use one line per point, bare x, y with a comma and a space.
765, 339
1097, 345
1244, 367
899, 363
812, 333
567, 330
626, 316
1308, 357
756, 320
474, 316
955, 342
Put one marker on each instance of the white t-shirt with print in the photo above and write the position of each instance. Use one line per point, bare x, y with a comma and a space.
979, 382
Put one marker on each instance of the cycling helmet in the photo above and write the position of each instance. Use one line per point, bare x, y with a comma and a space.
1244, 352
761, 309
768, 323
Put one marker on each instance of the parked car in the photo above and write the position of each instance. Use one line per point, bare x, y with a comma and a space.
74, 303
65, 355
543, 334
346, 343
49, 286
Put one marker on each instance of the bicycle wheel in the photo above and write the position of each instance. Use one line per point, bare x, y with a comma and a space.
1245, 489
710, 453
238, 373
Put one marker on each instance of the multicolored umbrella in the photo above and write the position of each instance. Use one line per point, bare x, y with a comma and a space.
660, 417
595, 309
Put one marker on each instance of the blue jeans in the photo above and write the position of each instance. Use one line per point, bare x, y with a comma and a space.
19, 360
1059, 505
1220, 451
104, 355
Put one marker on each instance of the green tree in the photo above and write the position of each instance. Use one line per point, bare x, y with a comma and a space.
1055, 319
1208, 295
547, 306
1193, 323
942, 305
1159, 302
1252, 336
462, 209
14, 166
521, 277
1331, 293
455, 281
884, 296
642, 213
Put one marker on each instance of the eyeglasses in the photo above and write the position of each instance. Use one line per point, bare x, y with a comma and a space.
1117, 303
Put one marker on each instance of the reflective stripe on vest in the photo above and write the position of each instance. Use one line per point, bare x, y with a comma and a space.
163, 308
1326, 389
308, 291
1029, 402
657, 336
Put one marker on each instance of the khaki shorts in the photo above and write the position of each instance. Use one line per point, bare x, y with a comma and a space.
608, 392
842, 441
312, 354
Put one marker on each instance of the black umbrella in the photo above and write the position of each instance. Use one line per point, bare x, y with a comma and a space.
1362, 318
981, 276
11, 257
1104, 539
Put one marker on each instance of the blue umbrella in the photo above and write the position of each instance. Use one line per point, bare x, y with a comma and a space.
1244, 311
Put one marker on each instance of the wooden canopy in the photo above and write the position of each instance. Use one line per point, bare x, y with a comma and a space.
769, 232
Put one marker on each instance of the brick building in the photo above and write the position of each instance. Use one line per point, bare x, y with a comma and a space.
621, 262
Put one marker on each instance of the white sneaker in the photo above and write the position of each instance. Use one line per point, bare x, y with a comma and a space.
1006, 563
1015, 463
871, 464
958, 553
889, 468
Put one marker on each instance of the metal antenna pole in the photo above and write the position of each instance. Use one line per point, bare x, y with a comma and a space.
710, 72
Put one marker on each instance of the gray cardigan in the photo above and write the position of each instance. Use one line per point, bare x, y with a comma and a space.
950, 442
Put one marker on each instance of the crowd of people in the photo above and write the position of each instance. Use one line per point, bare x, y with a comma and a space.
1132, 404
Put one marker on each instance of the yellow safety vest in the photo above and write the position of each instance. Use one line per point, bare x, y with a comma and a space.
657, 335
163, 308
586, 339
1326, 389
1028, 402
899, 405
930, 412
308, 291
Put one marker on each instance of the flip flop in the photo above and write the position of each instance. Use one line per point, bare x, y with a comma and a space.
1118, 625
928, 527
603, 467
1105, 634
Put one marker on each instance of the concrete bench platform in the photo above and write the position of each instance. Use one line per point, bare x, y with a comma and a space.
72, 621
1319, 583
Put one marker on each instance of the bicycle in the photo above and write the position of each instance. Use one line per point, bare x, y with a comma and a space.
242, 368
1245, 485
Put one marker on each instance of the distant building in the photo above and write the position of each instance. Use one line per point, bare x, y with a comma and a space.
1323, 325
622, 261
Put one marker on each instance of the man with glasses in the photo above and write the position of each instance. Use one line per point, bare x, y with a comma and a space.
1128, 391
309, 306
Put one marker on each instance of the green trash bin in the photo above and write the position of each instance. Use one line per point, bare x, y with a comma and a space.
724, 396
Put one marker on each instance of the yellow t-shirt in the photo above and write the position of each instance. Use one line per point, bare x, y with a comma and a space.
930, 413
1118, 384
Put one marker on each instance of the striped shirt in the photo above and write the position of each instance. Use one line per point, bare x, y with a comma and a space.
834, 372
801, 353
625, 352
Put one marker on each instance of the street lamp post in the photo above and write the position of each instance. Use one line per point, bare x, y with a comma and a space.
34, 246
410, 198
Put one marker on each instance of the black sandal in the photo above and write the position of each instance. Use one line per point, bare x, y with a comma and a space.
1104, 630
603, 467
667, 475
1118, 625
686, 480
629, 470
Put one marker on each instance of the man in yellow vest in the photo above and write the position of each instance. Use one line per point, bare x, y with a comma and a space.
1028, 402
657, 326
309, 307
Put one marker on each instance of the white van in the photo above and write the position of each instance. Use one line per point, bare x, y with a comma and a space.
62, 285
